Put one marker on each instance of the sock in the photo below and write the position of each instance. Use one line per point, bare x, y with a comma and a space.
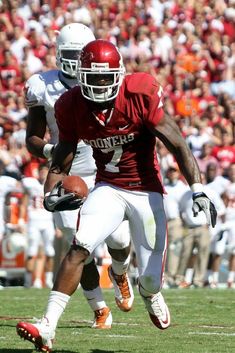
49, 276
27, 279
120, 267
189, 275
94, 298
55, 307
37, 283
209, 276
215, 277
231, 276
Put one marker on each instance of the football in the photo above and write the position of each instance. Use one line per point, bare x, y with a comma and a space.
75, 184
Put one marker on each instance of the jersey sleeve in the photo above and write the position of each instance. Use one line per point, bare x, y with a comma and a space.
150, 97
64, 118
155, 112
34, 90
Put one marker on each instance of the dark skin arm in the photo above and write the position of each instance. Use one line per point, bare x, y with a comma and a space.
168, 132
63, 156
35, 131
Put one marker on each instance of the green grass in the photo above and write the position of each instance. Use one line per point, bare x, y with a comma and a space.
203, 321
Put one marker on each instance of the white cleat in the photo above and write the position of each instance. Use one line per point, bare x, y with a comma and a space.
40, 334
158, 310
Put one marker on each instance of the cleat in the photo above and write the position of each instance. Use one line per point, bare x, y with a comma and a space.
37, 283
213, 285
40, 334
124, 295
158, 310
103, 319
184, 285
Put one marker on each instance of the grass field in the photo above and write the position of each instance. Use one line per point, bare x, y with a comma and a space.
203, 321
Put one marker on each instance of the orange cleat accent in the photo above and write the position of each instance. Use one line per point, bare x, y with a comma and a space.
124, 295
103, 319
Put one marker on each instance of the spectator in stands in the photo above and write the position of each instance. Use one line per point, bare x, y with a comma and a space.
205, 158
225, 238
225, 153
175, 188
196, 238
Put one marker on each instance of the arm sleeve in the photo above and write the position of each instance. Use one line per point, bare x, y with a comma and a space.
34, 91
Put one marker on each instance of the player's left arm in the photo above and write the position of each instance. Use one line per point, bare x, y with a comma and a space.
168, 132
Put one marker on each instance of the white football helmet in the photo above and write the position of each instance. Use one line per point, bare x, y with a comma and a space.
69, 43
100, 71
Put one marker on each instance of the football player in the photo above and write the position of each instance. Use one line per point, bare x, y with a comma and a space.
42, 91
40, 229
119, 117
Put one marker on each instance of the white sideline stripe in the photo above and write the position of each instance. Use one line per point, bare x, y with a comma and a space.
212, 333
114, 323
119, 336
214, 326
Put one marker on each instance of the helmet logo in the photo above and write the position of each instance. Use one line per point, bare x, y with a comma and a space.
99, 66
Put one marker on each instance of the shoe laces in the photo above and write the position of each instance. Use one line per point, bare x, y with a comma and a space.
122, 284
156, 306
98, 313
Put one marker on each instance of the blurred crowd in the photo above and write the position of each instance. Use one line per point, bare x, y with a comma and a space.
189, 46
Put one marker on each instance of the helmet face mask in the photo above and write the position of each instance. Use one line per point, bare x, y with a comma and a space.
69, 61
69, 43
100, 71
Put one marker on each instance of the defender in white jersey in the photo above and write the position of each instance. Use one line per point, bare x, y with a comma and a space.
40, 229
42, 91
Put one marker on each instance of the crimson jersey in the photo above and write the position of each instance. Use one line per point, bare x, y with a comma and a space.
123, 146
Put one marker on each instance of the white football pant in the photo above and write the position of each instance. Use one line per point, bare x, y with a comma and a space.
107, 207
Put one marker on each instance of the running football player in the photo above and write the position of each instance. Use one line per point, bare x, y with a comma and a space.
119, 117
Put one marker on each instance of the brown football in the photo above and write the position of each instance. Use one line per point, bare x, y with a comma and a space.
75, 184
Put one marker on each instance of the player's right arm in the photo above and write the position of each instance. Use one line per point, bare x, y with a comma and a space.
62, 160
35, 131
36, 120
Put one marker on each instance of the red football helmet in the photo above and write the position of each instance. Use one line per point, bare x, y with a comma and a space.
100, 71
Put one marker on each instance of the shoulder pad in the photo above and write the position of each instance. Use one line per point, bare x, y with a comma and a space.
35, 87
141, 83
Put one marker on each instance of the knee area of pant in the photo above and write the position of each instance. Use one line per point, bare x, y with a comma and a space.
118, 243
148, 285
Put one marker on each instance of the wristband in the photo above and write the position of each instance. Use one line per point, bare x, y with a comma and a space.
196, 187
47, 150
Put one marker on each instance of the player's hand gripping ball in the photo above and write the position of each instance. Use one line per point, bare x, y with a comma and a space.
76, 185
67, 194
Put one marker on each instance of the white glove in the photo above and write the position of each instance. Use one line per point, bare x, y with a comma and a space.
202, 203
56, 200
